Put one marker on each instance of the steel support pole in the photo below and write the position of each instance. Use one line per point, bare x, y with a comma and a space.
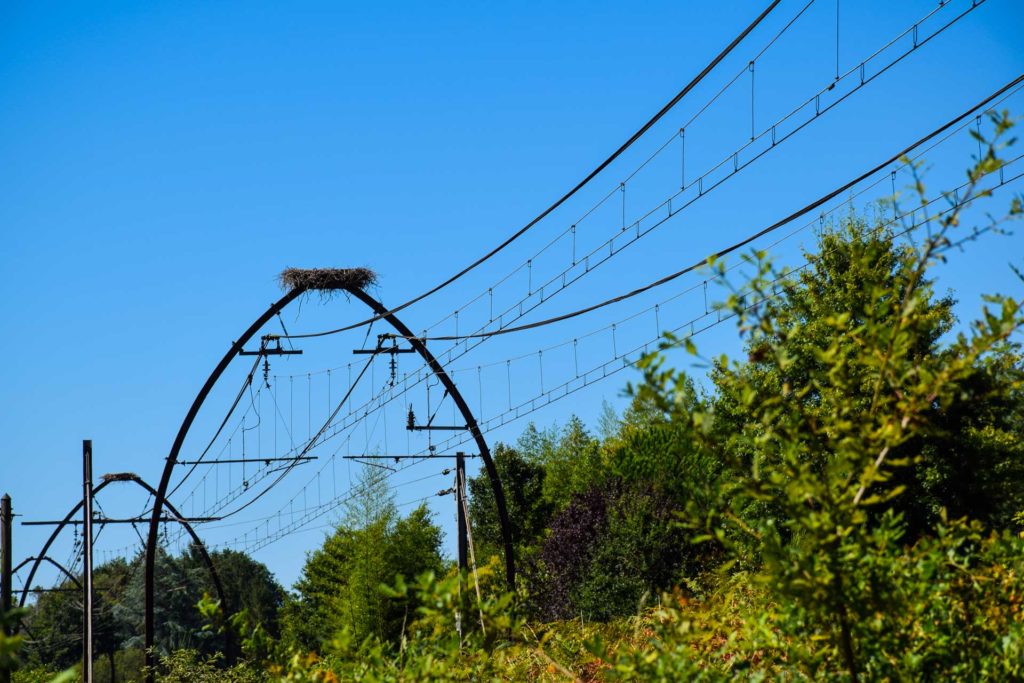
87, 610
6, 573
460, 499
463, 540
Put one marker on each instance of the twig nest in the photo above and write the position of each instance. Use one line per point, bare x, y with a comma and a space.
120, 476
326, 280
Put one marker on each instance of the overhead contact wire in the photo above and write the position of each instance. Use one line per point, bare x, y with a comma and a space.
742, 243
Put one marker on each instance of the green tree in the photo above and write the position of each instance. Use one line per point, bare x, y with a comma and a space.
179, 586
55, 618
528, 511
340, 586
248, 585
110, 627
844, 396
574, 465
964, 447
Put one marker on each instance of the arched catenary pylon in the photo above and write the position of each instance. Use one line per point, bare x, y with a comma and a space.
43, 558
138, 481
353, 282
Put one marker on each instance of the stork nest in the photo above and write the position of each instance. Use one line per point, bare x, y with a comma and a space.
120, 476
326, 280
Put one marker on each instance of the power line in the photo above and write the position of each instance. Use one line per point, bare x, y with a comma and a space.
855, 69
508, 330
309, 514
740, 244
231, 410
622, 361
305, 450
406, 387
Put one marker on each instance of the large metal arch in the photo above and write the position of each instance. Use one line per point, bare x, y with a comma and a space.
218, 371
44, 558
137, 480
53, 537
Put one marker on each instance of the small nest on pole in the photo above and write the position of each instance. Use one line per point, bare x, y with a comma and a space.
327, 281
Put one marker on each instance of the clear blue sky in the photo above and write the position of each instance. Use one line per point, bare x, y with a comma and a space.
164, 161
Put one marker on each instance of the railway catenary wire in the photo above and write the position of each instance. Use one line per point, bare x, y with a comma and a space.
285, 470
522, 310
487, 424
1011, 88
859, 69
261, 472
807, 208
251, 548
914, 226
332, 459
223, 423
323, 509
519, 410
655, 307
617, 186
288, 468
527, 327
613, 366
623, 361
315, 512
309, 514
918, 156
227, 446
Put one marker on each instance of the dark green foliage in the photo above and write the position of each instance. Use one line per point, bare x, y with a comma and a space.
111, 631
611, 548
179, 585
529, 511
593, 521
848, 408
574, 465
962, 441
972, 458
641, 553
55, 619
248, 585
566, 553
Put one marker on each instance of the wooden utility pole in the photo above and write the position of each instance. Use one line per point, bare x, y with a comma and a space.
87, 560
5, 571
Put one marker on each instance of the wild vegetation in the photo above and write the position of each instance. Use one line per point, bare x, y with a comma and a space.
844, 501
